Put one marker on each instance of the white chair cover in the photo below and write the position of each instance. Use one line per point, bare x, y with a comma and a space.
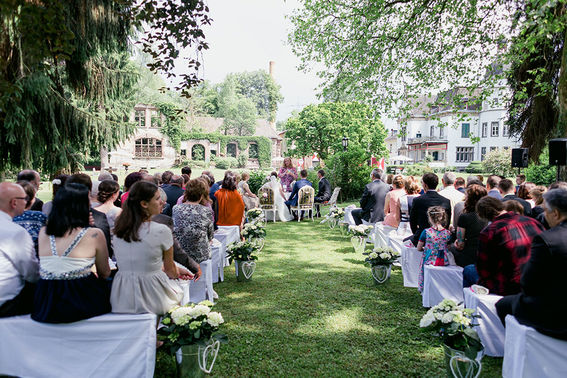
203, 289
411, 258
348, 215
442, 282
217, 259
382, 235
490, 329
186, 293
111, 345
227, 235
528, 353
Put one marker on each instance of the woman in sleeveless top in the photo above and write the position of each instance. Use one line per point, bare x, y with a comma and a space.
142, 248
250, 199
392, 203
108, 192
68, 249
412, 191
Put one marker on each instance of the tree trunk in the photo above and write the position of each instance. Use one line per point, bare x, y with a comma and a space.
562, 101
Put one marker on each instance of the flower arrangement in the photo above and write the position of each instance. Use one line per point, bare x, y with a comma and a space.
337, 213
254, 229
255, 214
381, 256
190, 324
241, 251
453, 324
360, 230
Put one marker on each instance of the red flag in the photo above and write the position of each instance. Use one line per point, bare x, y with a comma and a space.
381, 164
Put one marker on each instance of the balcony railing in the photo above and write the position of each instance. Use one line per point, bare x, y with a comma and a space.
426, 139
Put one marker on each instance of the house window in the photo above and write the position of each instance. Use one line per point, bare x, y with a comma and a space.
465, 130
505, 130
231, 150
464, 154
404, 133
148, 148
432, 131
494, 127
183, 152
155, 119
492, 149
482, 153
140, 118
253, 151
484, 129
441, 132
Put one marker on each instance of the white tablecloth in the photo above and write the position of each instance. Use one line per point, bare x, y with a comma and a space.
442, 282
410, 259
490, 329
111, 345
528, 353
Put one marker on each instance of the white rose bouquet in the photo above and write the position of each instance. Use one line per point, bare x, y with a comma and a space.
254, 229
381, 256
190, 324
337, 213
255, 214
241, 251
360, 230
454, 325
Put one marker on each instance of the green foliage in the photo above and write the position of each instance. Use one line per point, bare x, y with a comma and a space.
350, 171
499, 162
242, 160
312, 176
417, 169
198, 152
474, 167
540, 172
174, 123
262, 90
242, 251
321, 128
239, 117
226, 162
256, 180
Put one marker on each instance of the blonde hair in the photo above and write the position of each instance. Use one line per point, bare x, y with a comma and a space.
437, 215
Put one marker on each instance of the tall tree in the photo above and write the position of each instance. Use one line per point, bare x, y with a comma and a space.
262, 90
321, 128
389, 53
240, 117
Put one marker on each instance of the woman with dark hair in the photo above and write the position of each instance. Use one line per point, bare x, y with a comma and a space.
57, 183
108, 192
230, 203
193, 222
469, 226
524, 192
130, 180
142, 248
31, 220
68, 248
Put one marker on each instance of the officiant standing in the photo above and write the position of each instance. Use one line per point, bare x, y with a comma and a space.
324, 193
287, 175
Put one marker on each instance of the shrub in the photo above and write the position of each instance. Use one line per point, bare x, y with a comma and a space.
242, 160
226, 162
199, 164
541, 173
417, 169
350, 171
474, 167
257, 179
312, 176
499, 162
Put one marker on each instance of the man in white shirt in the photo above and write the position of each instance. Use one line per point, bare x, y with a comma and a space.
450, 192
19, 267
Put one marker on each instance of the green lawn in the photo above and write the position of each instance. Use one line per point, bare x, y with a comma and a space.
312, 309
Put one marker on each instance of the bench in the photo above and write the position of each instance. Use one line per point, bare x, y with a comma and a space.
110, 345
490, 329
442, 282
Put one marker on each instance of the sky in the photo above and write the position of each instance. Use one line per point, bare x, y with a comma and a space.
246, 35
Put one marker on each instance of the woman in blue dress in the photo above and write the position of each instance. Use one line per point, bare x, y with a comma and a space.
68, 290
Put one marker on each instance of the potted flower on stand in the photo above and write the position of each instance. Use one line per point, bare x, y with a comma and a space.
188, 332
359, 235
256, 215
245, 265
255, 232
461, 344
335, 215
380, 260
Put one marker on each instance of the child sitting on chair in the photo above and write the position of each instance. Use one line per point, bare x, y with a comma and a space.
433, 241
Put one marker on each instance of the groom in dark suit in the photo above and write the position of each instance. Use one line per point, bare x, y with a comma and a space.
324, 193
292, 201
373, 200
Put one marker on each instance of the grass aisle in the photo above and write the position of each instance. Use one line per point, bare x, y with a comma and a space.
312, 309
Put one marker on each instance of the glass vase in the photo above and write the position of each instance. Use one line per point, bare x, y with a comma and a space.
343, 227
358, 243
244, 270
188, 362
458, 365
258, 243
381, 273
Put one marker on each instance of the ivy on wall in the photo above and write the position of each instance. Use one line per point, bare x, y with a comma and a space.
264, 144
174, 122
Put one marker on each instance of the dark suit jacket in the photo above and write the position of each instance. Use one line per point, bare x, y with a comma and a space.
525, 204
101, 222
324, 191
542, 304
173, 193
418, 213
292, 201
373, 201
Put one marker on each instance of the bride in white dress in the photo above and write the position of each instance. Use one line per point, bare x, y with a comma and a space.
282, 212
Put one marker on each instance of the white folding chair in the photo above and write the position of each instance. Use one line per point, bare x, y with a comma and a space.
267, 201
305, 198
442, 282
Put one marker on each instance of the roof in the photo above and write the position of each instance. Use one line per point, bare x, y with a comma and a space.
213, 124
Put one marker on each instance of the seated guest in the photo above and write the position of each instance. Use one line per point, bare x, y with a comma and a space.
524, 192
144, 255
492, 186
250, 199
418, 214
174, 190
324, 193
68, 291
537, 196
542, 285
229, 202
504, 247
392, 202
193, 222
406, 202
450, 192
294, 196
108, 191
460, 206
514, 207
32, 177
186, 179
186, 171
506, 188
469, 226
460, 184
166, 178
373, 200
520, 179
130, 180
58, 182
18, 261
31, 220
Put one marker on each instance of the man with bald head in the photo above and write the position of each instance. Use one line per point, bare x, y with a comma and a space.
19, 266
34, 179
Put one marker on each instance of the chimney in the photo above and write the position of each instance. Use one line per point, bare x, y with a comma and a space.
272, 65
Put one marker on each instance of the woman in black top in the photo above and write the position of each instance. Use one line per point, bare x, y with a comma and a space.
469, 226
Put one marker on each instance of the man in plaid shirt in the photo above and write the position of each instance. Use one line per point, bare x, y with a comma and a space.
504, 247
